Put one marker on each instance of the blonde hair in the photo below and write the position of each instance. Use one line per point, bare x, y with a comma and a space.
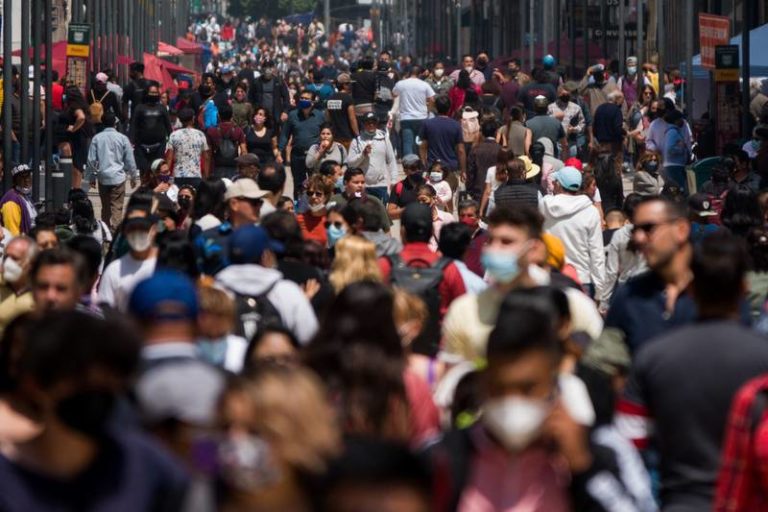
302, 430
408, 307
355, 261
214, 300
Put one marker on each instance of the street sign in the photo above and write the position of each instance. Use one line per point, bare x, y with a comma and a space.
79, 33
727, 56
78, 51
727, 75
713, 31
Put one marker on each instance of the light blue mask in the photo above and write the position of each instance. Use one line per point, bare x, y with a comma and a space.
213, 351
339, 183
502, 266
335, 234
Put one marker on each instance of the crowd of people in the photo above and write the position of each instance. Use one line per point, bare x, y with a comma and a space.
328, 279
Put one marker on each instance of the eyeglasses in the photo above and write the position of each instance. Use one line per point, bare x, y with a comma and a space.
315, 193
649, 227
337, 224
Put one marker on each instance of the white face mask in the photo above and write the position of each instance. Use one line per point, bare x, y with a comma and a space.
632, 70
139, 241
468, 69
439, 72
435, 177
515, 421
317, 207
12, 271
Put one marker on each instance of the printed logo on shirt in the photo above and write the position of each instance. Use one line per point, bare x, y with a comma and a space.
333, 104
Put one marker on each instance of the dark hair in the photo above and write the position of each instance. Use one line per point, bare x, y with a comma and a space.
284, 228
326, 168
225, 112
108, 119
351, 173
369, 212
524, 324
741, 210
59, 256
268, 120
271, 181
282, 201
261, 334
515, 113
83, 218
66, 346
186, 115
673, 209
757, 240
366, 63
136, 67
442, 104
46, 221
488, 129
526, 218
463, 82
210, 198
175, 252
719, 265
90, 250
469, 203
455, 238
630, 203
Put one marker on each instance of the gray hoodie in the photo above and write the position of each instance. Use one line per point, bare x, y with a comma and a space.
380, 166
385, 244
286, 296
576, 221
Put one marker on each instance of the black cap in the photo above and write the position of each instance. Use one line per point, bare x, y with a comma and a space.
417, 222
701, 205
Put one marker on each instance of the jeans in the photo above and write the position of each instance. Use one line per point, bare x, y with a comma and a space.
378, 192
408, 131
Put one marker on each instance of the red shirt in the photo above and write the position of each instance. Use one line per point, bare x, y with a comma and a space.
313, 228
452, 285
57, 96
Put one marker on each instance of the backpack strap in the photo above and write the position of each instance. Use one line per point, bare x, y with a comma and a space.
442, 263
399, 188
102, 98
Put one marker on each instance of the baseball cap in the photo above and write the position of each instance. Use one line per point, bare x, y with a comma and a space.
575, 162
102, 78
248, 243
701, 204
344, 78
370, 116
540, 101
417, 220
166, 295
247, 159
569, 178
531, 169
20, 169
411, 160
245, 187
631, 61
226, 69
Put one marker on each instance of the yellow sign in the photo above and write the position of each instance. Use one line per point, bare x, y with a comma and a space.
726, 75
78, 50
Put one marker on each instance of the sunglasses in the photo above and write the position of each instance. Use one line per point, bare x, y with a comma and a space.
337, 224
649, 227
315, 193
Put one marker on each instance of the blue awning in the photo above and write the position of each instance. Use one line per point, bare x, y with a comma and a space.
758, 56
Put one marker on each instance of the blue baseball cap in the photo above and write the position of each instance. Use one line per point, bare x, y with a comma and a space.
548, 61
248, 243
166, 295
569, 178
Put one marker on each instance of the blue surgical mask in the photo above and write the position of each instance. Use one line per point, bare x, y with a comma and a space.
213, 351
304, 104
502, 266
335, 234
339, 183
651, 166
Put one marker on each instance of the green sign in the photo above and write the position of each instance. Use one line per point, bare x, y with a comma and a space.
79, 33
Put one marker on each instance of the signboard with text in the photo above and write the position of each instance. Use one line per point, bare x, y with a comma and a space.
713, 31
78, 51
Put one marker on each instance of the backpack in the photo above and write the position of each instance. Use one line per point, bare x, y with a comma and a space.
96, 108
254, 313
423, 280
226, 152
470, 125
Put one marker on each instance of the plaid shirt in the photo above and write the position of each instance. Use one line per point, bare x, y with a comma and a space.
742, 484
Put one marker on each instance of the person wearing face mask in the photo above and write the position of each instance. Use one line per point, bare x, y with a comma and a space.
468, 65
242, 109
627, 83
340, 112
15, 292
403, 192
215, 322
436, 178
270, 92
438, 81
16, 207
69, 382
648, 180
570, 116
427, 195
150, 128
304, 126
312, 221
527, 437
372, 152
121, 275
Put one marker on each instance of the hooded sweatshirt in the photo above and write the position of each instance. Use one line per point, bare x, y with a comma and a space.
295, 310
575, 221
380, 166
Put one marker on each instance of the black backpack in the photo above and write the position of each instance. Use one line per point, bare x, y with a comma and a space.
423, 280
226, 152
255, 313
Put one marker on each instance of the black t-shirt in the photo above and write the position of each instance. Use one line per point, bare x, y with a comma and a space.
337, 106
129, 473
685, 382
150, 124
260, 146
529, 92
403, 193
134, 92
363, 86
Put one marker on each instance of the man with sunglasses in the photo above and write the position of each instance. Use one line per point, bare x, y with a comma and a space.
655, 301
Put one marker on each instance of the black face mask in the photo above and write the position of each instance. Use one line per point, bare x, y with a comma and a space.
184, 202
270, 182
87, 411
152, 98
416, 178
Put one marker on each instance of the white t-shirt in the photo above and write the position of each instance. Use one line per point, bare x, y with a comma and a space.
121, 276
437, 225
444, 192
490, 179
413, 95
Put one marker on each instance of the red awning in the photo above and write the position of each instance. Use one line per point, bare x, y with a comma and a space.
163, 71
58, 52
165, 49
188, 47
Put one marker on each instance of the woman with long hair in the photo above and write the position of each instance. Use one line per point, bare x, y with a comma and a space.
741, 211
648, 180
325, 150
640, 118
515, 136
209, 206
79, 132
274, 448
261, 137
355, 260
458, 92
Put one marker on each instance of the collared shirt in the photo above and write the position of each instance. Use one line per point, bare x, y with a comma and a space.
110, 156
